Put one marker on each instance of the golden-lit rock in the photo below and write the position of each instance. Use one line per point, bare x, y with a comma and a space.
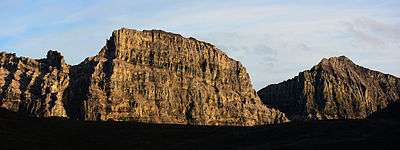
145, 76
34, 87
160, 77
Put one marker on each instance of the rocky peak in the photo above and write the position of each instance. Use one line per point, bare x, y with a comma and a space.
334, 63
342, 59
55, 59
336, 88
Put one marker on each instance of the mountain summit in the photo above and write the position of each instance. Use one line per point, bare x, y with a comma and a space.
336, 88
148, 76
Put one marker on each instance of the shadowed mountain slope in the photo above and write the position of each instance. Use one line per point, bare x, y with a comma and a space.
336, 88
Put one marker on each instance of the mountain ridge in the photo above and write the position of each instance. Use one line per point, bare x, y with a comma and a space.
148, 76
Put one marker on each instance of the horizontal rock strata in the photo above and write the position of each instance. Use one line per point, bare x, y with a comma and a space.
145, 76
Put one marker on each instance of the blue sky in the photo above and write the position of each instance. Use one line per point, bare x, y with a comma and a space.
274, 39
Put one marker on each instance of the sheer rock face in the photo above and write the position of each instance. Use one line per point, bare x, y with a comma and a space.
34, 86
336, 88
159, 77
150, 76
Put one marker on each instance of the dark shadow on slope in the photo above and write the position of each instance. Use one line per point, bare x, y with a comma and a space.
81, 76
78, 88
391, 112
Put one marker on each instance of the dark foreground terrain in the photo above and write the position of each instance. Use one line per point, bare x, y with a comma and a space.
381, 131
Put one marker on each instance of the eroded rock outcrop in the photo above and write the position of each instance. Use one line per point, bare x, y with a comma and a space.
34, 86
145, 76
336, 88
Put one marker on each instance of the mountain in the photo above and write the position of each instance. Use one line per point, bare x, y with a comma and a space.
336, 88
147, 76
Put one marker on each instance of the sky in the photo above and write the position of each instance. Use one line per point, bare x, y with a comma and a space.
274, 39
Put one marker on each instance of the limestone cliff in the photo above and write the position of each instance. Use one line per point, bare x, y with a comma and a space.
336, 88
145, 76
